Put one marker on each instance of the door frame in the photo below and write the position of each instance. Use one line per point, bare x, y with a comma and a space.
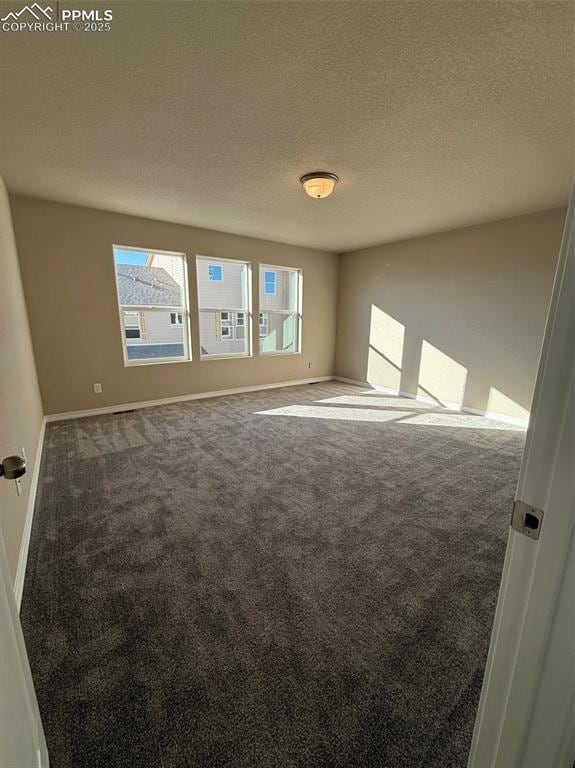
533, 571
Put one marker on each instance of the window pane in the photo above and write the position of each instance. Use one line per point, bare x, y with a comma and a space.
279, 289
215, 272
269, 282
220, 337
228, 293
150, 279
151, 335
154, 280
278, 332
131, 320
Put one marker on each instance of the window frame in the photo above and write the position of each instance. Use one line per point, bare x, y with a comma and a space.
184, 309
177, 323
246, 311
298, 312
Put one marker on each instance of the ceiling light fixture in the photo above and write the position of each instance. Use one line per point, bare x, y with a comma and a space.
319, 184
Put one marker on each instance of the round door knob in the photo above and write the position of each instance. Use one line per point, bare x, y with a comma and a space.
13, 467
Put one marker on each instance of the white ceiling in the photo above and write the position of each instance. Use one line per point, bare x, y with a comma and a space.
434, 114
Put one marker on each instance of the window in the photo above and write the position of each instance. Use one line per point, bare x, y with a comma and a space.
232, 325
280, 315
263, 325
153, 301
270, 282
226, 326
225, 318
216, 272
132, 328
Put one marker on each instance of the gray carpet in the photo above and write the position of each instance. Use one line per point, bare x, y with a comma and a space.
264, 581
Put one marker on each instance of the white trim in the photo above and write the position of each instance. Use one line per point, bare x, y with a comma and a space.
218, 259
279, 268
180, 399
298, 312
25, 543
151, 307
224, 355
246, 285
184, 309
136, 362
148, 251
359, 383
521, 423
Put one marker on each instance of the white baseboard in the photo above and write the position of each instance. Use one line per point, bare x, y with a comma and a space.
376, 387
180, 399
25, 543
521, 423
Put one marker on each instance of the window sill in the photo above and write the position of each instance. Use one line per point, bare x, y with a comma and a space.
143, 363
279, 354
207, 358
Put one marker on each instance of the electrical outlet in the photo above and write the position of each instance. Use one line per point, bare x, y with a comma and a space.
97, 389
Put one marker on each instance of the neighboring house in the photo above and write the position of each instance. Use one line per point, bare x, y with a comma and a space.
222, 291
222, 288
278, 290
142, 286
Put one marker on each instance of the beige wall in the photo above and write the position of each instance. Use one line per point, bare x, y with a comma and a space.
68, 274
458, 316
20, 405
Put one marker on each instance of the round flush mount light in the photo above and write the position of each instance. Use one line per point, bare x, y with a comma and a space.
319, 184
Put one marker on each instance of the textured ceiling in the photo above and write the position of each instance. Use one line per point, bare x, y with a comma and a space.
433, 114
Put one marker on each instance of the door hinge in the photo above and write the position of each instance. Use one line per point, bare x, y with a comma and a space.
526, 519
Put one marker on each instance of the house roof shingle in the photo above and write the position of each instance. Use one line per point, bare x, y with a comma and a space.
140, 286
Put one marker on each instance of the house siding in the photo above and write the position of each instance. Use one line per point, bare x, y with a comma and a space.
211, 341
229, 293
173, 264
284, 285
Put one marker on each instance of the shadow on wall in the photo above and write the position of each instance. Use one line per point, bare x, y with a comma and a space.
416, 366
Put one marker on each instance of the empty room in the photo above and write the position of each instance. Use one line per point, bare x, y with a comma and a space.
287, 348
